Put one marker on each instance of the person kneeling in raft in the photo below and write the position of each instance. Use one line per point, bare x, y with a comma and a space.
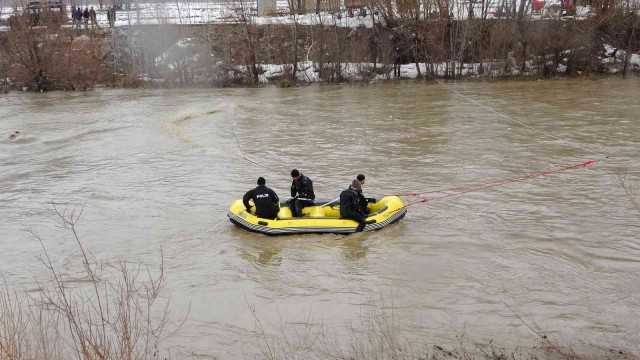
350, 207
265, 200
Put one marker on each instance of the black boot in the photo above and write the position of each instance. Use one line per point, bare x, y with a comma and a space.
361, 227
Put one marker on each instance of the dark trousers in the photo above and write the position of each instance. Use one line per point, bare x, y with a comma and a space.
269, 213
355, 215
296, 206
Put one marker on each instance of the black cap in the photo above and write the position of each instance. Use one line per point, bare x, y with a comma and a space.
360, 177
261, 181
295, 173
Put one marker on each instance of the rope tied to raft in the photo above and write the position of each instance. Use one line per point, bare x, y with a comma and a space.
487, 185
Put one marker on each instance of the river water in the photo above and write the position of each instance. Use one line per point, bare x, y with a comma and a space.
159, 168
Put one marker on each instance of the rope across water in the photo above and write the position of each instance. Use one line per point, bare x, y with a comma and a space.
487, 185
514, 120
480, 186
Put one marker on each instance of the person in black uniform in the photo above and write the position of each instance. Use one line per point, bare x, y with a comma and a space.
363, 200
265, 200
301, 192
350, 207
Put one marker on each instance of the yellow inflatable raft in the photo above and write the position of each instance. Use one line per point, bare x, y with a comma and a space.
322, 217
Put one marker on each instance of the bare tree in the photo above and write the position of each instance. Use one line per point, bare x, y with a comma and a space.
31, 51
246, 35
631, 44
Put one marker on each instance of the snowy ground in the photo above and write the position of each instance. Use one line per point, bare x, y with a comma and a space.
226, 11
193, 13
308, 73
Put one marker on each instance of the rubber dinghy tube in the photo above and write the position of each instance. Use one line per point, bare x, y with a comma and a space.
318, 219
362, 225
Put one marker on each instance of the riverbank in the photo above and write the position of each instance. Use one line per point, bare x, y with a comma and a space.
243, 52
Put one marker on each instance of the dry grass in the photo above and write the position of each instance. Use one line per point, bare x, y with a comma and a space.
629, 189
119, 315
376, 335
48, 58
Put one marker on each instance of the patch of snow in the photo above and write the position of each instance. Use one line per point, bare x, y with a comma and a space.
608, 49
181, 51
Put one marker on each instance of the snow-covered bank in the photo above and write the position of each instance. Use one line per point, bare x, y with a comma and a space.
243, 52
218, 12
309, 72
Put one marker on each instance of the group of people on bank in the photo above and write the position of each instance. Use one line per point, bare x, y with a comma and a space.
83, 17
89, 15
353, 204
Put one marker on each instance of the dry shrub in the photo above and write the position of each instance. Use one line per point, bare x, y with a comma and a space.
584, 48
329, 52
623, 31
434, 51
240, 49
375, 333
46, 58
31, 53
245, 38
25, 329
629, 189
119, 315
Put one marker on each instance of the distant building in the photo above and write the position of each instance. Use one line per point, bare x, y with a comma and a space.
311, 6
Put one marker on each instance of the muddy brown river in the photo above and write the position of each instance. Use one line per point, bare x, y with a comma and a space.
159, 168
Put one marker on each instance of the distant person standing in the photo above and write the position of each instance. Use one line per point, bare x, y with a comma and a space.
94, 19
111, 16
85, 18
78, 17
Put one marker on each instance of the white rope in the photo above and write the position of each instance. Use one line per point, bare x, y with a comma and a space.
242, 155
516, 121
213, 227
330, 202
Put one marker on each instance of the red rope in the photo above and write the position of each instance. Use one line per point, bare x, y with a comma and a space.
476, 187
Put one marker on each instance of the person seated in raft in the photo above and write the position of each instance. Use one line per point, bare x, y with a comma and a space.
363, 200
265, 200
350, 207
301, 192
